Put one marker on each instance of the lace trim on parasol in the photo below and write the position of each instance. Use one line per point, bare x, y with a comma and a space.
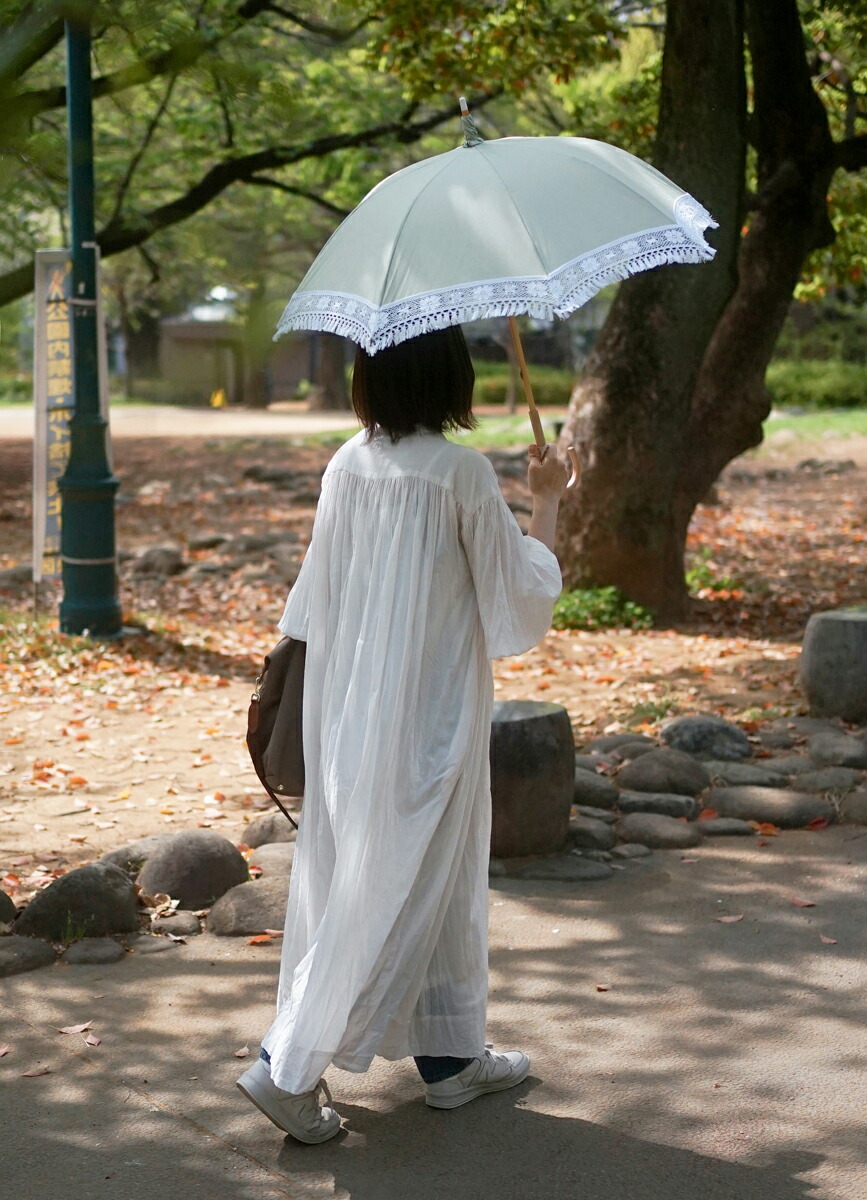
558, 294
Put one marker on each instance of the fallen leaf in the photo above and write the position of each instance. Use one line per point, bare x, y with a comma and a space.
259, 940
729, 920
708, 814
274, 933
828, 941
818, 823
78, 837
92, 1040
766, 828
799, 903
689, 860
76, 1028
76, 781
4, 1050
602, 987
243, 1052
36, 1071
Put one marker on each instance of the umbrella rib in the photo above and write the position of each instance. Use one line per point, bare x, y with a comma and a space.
517, 210
404, 219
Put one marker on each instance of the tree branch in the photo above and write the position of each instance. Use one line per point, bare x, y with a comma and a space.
139, 154
331, 33
124, 234
303, 193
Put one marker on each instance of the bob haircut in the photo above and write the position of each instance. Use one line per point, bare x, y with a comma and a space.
423, 383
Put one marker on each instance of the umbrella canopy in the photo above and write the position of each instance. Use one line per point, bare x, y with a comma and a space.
495, 229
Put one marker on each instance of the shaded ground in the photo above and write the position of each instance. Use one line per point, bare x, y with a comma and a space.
723, 1062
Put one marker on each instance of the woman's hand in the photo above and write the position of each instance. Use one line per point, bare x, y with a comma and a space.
547, 475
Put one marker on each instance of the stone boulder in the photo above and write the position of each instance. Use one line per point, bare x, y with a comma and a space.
566, 868
789, 810
181, 923
746, 774
838, 749
133, 856
159, 560
588, 762
275, 858
659, 832
853, 808
726, 827
90, 901
250, 907
93, 952
664, 771
629, 850
789, 765
667, 804
269, 828
834, 665
829, 779
589, 834
613, 741
532, 754
595, 790
598, 814
196, 867
19, 954
706, 737
8, 911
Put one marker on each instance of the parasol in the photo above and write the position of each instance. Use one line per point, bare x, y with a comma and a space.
499, 228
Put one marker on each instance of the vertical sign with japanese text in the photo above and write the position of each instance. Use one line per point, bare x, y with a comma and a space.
54, 401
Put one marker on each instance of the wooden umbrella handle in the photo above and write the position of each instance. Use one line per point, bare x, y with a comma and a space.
535, 419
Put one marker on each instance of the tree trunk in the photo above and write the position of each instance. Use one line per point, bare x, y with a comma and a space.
257, 350
330, 393
675, 388
629, 415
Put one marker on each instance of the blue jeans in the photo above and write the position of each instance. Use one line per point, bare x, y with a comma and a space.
431, 1069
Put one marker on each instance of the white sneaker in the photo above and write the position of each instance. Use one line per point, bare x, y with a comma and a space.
491, 1073
303, 1115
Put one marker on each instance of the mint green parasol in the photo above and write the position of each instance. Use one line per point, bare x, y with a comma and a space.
517, 225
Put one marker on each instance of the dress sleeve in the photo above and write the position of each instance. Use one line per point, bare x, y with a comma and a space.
517, 578
296, 614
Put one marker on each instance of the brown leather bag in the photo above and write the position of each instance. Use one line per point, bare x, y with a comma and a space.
274, 733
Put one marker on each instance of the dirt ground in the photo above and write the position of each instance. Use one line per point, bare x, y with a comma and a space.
103, 742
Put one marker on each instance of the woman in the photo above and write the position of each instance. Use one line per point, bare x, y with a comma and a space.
416, 576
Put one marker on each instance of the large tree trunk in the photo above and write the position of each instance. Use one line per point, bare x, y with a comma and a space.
330, 393
257, 349
674, 388
629, 415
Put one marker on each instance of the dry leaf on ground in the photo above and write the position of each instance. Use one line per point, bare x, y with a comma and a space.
35, 1072
729, 920
76, 1028
799, 903
243, 1052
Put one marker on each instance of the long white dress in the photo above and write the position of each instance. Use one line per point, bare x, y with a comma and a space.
416, 576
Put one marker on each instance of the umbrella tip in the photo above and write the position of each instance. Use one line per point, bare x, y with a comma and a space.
465, 112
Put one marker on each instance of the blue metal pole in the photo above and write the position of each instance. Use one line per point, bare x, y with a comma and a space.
87, 538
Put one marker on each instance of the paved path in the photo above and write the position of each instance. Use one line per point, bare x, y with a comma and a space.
146, 420
725, 1062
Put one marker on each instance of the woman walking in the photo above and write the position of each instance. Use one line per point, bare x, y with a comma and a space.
416, 576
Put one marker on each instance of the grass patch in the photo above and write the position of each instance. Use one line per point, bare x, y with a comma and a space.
816, 425
599, 608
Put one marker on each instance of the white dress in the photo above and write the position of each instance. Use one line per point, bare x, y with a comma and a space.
416, 576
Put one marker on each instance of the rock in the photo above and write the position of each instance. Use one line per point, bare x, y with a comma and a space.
147, 943
207, 541
196, 867
803, 726
269, 828
14, 578
834, 665
746, 773
595, 790
668, 804
93, 951
180, 923
838, 750
726, 827
598, 814
568, 868
829, 779
788, 809
251, 543
20, 954
776, 739
790, 764
8, 911
664, 771
250, 907
275, 858
90, 901
159, 560
133, 856
706, 736
631, 850
631, 750
612, 741
588, 762
660, 832
590, 834
496, 868
285, 562
852, 808
602, 856
532, 755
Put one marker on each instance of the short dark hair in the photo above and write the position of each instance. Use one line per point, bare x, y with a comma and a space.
425, 382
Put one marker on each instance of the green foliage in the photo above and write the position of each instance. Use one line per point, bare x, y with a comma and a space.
703, 574
599, 608
551, 386
806, 383
832, 329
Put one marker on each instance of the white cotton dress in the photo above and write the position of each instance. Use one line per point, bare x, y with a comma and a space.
416, 576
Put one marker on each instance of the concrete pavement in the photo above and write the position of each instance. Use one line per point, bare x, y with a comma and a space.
165, 420
725, 1061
